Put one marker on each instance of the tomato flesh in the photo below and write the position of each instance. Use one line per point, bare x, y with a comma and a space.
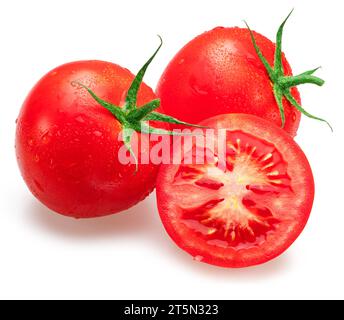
244, 212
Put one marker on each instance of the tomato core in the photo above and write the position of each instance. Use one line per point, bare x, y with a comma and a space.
239, 215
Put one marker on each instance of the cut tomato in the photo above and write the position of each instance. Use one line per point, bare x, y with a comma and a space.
247, 211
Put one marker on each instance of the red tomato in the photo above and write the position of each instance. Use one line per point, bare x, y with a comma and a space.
67, 144
219, 72
247, 213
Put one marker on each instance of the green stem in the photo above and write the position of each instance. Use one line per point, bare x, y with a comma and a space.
134, 118
281, 82
288, 82
131, 99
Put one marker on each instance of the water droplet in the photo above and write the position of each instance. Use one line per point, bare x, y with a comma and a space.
36, 158
97, 133
30, 142
294, 116
80, 119
181, 61
71, 165
198, 258
123, 98
38, 185
218, 28
45, 137
198, 88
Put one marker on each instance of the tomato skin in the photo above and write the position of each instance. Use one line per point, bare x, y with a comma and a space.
219, 72
67, 144
169, 198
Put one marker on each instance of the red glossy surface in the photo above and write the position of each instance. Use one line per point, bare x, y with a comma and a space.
67, 144
219, 72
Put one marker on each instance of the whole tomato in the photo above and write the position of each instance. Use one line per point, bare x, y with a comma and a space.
68, 138
233, 70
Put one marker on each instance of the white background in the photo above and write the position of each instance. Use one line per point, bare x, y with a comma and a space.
129, 256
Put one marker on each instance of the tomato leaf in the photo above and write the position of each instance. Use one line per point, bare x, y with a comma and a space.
155, 116
292, 100
147, 129
310, 72
116, 111
127, 135
282, 83
279, 99
140, 113
288, 82
260, 54
131, 99
278, 65
133, 118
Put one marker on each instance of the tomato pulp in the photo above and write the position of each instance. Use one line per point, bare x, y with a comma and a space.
246, 212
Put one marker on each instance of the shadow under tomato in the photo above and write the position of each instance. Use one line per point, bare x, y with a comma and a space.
143, 222
277, 266
136, 220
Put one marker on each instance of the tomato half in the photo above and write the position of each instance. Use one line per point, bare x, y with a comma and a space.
219, 72
246, 212
67, 144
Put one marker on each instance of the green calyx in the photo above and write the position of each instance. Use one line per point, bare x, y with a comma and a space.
134, 118
282, 84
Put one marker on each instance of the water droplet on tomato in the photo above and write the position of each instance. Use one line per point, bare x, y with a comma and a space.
123, 98
198, 89
38, 185
181, 61
36, 158
30, 142
218, 28
294, 116
97, 133
198, 258
163, 80
45, 137
80, 119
